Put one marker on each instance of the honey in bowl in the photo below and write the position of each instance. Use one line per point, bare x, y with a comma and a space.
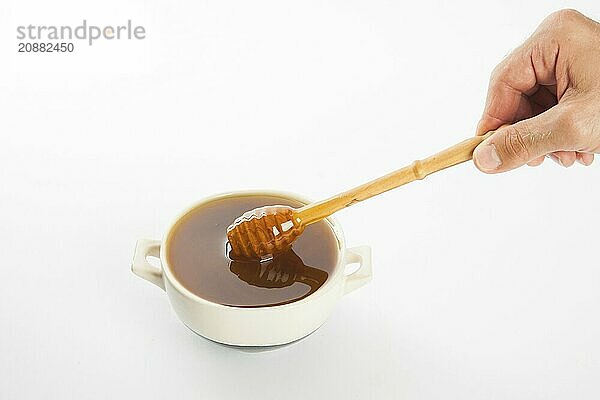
197, 253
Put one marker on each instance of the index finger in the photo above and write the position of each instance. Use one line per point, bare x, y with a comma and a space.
517, 76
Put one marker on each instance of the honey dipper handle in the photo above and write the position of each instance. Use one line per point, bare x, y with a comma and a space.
419, 169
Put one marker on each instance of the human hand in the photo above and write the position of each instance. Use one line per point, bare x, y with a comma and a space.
544, 98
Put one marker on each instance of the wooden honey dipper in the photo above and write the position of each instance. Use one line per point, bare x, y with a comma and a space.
260, 233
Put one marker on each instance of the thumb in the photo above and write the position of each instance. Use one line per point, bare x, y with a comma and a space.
512, 146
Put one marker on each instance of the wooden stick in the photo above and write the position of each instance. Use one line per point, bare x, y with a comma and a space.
419, 169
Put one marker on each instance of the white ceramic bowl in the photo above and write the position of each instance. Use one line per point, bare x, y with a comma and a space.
261, 326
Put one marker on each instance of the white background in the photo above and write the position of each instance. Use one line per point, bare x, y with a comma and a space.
485, 287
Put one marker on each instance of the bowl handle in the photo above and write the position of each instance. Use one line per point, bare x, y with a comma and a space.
141, 267
364, 273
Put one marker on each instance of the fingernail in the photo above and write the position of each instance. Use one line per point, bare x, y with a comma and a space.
486, 157
579, 159
556, 159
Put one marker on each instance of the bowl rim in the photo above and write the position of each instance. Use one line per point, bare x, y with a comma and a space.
335, 226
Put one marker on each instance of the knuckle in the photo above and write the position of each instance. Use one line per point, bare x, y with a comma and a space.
499, 73
544, 51
569, 124
562, 19
566, 117
499, 69
494, 75
566, 14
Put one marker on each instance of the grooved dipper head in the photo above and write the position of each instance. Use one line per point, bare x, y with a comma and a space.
263, 232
